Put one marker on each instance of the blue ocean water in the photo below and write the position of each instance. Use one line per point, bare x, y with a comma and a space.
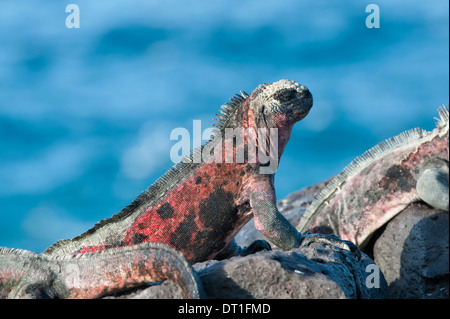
86, 114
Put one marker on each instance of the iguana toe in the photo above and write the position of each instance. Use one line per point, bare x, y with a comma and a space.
332, 240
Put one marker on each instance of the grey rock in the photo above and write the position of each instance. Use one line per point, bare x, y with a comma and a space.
315, 272
413, 253
432, 187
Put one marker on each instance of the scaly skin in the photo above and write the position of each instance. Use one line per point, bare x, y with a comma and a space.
381, 183
27, 275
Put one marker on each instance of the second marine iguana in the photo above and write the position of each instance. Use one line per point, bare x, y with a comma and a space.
412, 166
198, 207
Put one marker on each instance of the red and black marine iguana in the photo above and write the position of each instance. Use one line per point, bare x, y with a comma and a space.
412, 166
198, 208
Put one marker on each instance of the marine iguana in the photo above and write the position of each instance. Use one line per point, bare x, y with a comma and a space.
382, 182
198, 207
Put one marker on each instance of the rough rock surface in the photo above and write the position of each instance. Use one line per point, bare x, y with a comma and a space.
413, 253
315, 272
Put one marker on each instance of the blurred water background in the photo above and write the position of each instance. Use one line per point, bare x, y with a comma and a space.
85, 114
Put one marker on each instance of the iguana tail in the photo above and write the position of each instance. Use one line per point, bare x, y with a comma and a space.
93, 275
25, 274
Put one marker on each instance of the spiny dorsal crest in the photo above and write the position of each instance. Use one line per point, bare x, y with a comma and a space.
227, 110
442, 121
4, 251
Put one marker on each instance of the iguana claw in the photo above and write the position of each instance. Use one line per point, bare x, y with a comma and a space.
332, 240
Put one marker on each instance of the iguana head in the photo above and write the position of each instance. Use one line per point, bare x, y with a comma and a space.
280, 104
271, 107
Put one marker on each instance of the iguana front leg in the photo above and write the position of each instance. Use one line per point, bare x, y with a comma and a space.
277, 229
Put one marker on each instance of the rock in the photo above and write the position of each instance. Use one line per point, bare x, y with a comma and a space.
413, 253
432, 187
314, 272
